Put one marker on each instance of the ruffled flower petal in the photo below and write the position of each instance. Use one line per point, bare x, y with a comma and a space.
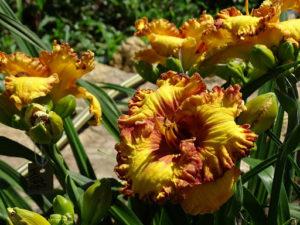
20, 64
144, 153
165, 45
158, 27
271, 35
274, 8
69, 67
172, 90
180, 136
196, 27
150, 56
209, 197
95, 107
139, 162
23, 90
220, 141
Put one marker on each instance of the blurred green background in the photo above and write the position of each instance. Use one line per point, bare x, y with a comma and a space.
101, 25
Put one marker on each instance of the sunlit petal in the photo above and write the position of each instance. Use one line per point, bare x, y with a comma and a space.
23, 90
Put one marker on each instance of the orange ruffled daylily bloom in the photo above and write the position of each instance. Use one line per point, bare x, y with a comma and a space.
207, 41
234, 34
181, 142
52, 73
166, 40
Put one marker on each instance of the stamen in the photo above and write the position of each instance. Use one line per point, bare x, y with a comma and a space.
247, 7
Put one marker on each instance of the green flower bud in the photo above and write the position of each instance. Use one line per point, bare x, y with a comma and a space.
286, 51
65, 106
67, 220
39, 134
9, 222
63, 206
96, 202
32, 112
298, 56
44, 127
262, 57
45, 101
25, 217
174, 64
56, 126
261, 112
254, 73
147, 71
55, 219
233, 70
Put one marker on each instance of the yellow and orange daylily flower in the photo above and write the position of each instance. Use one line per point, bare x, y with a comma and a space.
181, 142
167, 40
52, 73
207, 41
234, 34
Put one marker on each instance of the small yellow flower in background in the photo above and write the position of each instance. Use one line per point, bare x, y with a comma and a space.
181, 141
52, 73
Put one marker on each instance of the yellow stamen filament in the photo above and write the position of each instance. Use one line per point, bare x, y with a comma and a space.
247, 7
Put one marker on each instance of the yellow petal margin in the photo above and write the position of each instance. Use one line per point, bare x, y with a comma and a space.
19, 63
208, 198
69, 67
95, 108
22, 90
179, 137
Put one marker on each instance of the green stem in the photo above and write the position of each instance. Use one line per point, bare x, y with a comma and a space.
58, 163
287, 148
62, 173
282, 70
82, 160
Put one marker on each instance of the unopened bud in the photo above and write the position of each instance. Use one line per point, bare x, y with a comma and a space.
96, 202
44, 127
254, 73
262, 57
56, 126
174, 64
21, 216
57, 219
65, 106
31, 113
286, 51
233, 70
148, 71
261, 112
45, 101
63, 206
